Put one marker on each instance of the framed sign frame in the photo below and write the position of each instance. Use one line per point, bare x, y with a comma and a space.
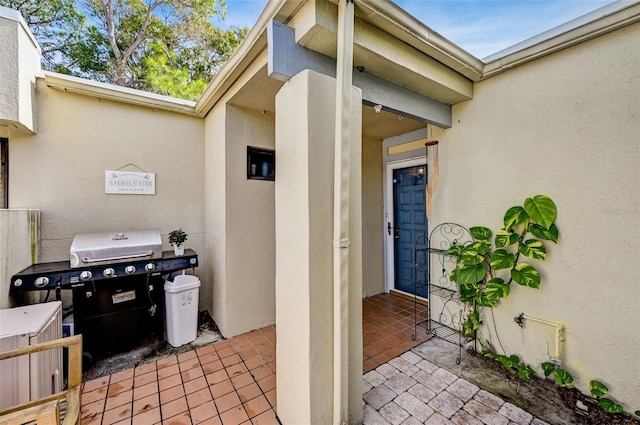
261, 163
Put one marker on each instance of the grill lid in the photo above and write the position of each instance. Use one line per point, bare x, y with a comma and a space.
89, 249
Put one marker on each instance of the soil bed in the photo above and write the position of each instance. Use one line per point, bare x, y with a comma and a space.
542, 398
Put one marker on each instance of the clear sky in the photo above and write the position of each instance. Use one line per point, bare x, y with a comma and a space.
481, 27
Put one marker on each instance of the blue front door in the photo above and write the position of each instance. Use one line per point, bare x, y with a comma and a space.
410, 228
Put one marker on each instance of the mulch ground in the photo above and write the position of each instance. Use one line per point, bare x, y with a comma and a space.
594, 415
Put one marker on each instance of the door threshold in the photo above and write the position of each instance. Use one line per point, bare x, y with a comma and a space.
409, 297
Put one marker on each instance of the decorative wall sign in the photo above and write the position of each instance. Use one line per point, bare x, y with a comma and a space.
129, 182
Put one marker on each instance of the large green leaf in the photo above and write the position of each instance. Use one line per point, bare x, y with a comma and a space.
469, 292
495, 289
483, 247
548, 368
637, 413
597, 388
455, 250
471, 325
541, 209
525, 372
471, 274
563, 378
526, 275
540, 232
505, 237
502, 259
470, 257
468, 328
484, 301
453, 276
610, 406
480, 233
533, 248
514, 216
508, 362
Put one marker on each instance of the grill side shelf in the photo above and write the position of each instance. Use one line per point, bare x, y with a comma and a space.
48, 276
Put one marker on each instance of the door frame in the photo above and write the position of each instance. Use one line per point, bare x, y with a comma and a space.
389, 250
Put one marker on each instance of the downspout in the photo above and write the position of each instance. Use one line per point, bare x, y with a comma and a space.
341, 182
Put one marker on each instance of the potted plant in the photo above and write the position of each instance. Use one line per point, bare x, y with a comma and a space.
176, 239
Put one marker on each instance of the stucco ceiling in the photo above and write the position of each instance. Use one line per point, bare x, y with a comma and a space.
260, 91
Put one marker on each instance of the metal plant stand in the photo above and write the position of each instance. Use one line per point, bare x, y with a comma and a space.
445, 310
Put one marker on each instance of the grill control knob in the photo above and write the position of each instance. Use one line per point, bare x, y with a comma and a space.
150, 267
18, 282
86, 275
41, 282
108, 272
130, 269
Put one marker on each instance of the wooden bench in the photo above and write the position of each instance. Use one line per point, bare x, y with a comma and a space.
46, 411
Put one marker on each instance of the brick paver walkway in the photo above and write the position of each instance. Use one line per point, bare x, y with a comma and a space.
409, 390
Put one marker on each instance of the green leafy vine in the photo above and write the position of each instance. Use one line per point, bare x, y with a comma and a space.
484, 273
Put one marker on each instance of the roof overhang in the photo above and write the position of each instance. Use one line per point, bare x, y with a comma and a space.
115, 93
389, 44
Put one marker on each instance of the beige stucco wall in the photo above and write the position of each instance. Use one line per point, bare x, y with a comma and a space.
566, 126
240, 214
61, 172
372, 218
19, 65
215, 213
250, 228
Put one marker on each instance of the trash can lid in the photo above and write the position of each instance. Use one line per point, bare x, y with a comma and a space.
182, 282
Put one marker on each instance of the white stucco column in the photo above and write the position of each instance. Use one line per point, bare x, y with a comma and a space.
305, 119
19, 66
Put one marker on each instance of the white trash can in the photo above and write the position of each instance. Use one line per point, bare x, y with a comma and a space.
181, 307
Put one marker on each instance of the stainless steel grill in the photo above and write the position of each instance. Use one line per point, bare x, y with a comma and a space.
90, 249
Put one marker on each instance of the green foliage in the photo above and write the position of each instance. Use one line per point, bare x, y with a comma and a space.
480, 233
56, 24
637, 413
501, 259
548, 368
541, 209
563, 378
512, 365
479, 264
514, 216
610, 406
526, 275
177, 237
472, 323
598, 389
164, 46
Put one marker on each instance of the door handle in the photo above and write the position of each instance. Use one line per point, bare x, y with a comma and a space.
396, 230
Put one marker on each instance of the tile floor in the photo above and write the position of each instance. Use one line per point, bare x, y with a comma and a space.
387, 327
227, 382
230, 382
